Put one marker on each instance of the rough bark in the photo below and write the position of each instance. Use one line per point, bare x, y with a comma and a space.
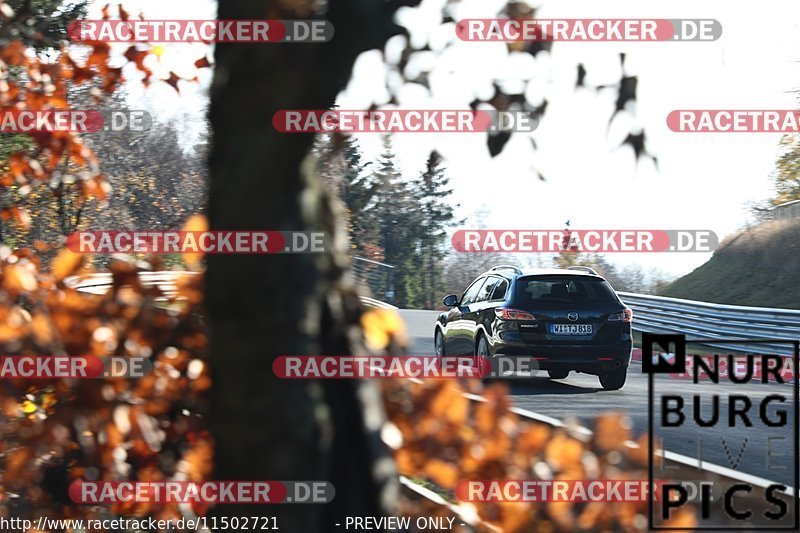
263, 306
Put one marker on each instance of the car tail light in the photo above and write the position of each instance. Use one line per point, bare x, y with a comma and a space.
512, 314
624, 316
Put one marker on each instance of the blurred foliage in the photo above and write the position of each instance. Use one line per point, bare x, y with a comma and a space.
57, 174
46, 21
787, 176
58, 430
445, 437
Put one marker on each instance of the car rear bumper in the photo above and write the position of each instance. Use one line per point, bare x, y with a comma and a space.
593, 359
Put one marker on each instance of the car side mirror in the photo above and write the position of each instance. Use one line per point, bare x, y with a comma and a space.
451, 300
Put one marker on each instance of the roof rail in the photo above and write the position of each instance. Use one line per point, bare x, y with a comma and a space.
507, 267
584, 269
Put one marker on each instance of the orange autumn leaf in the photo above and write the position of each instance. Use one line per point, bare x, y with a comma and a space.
42, 330
534, 439
563, 451
66, 263
640, 453
442, 473
137, 57
612, 431
194, 223
517, 515
23, 219
450, 404
381, 327
18, 278
14, 54
682, 518
173, 81
99, 56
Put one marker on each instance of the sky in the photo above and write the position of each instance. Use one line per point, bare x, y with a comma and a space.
703, 181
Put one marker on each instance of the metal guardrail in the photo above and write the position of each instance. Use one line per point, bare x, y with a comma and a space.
99, 283
786, 210
709, 321
376, 276
372, 302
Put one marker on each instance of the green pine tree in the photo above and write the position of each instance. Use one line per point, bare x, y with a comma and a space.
357, 192
395, 214
436, 215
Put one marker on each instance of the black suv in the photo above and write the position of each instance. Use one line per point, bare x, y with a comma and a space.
566, 320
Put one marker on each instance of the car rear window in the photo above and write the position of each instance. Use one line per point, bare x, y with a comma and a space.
544, 290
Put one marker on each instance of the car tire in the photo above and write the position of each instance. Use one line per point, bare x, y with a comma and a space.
615, 379
558, 374
438, 343
482, 348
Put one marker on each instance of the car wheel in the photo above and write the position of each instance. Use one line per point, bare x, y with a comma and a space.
438, 343
614, 380
558, 374
482, 350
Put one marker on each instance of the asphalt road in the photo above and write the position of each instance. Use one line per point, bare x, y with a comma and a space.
758, 450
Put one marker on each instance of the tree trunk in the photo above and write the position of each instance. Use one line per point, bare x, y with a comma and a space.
263, 306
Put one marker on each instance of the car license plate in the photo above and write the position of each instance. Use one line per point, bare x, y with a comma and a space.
571, 329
